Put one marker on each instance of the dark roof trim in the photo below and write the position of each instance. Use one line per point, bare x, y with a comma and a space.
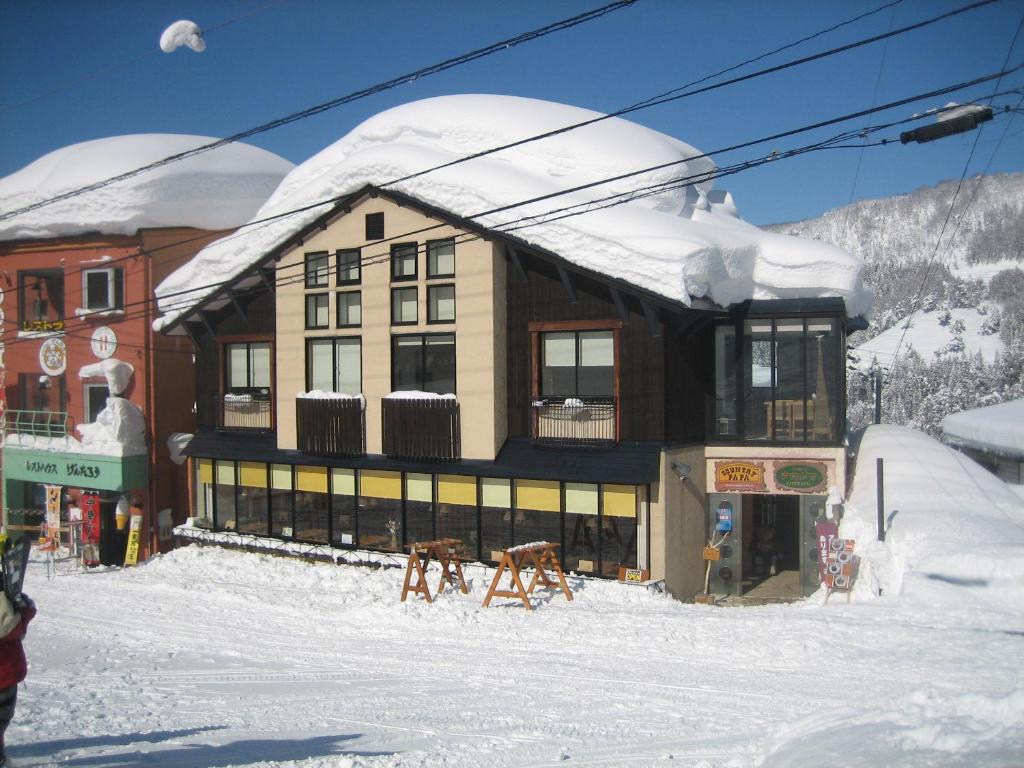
828, 305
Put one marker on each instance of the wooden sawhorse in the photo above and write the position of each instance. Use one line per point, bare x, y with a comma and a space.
448, 553
543, 556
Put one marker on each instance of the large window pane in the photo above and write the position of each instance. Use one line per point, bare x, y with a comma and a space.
260, 361
225, 494
238, 366
441, 258
403, 261
790, 408
441, 304
349, 365
405, 362
321, 364
343, 508
495, 517
311, 517
380, 523
581, 527
349, 272
618, 528
281, 500
759, 372
317, 270
558, 372
350, 309
403, 306
439, 365
597, 364
253, 499
823, 350
316, 310
725, 380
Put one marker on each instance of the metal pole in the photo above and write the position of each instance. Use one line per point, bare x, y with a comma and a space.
877, 376
880, 483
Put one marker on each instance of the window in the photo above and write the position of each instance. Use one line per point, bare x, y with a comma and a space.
248, 368
350, 309
349, 267
783, 381
318, 269
441, 258
253, 500
42, 393
95, 400
423, 362
103, 289
578, 364
441, 304
403, 306
41, 300
403, 261
334, 365
375, 226
224, 495
316, 310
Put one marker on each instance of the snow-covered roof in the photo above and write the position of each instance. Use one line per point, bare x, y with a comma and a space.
995, 428
217, 189
677, 243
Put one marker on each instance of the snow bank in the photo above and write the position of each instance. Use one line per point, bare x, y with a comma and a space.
956, 533
218, 189
415, 394
679, 243
998, 428
181, 33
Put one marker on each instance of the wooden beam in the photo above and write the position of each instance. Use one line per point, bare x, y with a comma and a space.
566, 279
266, 280
513, 256
238, 307
652, 318
620, 305
191, 334
206, 322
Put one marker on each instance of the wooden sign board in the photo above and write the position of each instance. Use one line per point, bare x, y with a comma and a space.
633, 575
739, 476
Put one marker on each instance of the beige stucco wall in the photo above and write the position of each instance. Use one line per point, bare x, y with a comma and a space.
479, 327
678, 523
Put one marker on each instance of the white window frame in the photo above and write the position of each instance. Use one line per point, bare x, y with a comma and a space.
111, 274
86, 399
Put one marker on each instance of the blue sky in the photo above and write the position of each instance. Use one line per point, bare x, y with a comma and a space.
71, 71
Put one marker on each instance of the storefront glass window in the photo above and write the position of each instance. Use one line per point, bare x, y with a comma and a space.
618, 528
419, 507
581, 527
759, 379
281, 500
380, 510
225, 494
204, 498
725, 381
823, 352
495, 517
343, 507
253, 500
456, 511
537, 516
311, 504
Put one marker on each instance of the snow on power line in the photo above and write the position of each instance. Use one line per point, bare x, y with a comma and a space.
183, 32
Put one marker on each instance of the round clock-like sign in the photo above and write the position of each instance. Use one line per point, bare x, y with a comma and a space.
53, 357
104, 342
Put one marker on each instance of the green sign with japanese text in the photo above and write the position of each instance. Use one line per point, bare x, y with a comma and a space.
76, 470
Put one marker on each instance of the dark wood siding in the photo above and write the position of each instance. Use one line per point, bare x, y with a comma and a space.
543, 297
688, 377
259, 319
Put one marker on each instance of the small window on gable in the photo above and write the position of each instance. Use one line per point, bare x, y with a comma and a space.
375, 226
103, 289
318, 269
441, 258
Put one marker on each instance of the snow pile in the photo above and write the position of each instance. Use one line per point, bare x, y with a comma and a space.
997, 428
176, 443
217, 189
931, 334
181, 33
681, 243
117, 373
320, 394
956, 530
119, 430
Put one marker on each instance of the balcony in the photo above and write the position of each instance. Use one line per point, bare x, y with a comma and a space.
575, 422
421, 429
331, 426
44, 424
247, 412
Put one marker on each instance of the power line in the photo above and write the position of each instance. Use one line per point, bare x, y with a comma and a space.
634, 107
611, 200
931, 261
670, 96
432, 69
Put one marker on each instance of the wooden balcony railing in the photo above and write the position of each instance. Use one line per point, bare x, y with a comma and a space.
422, 429
331, 426
246, 412
575, 422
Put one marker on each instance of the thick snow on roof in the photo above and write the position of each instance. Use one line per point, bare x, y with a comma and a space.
954, 525
218, 189
997, 428
679, 243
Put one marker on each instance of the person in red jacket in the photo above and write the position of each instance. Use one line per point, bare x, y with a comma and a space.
14, 619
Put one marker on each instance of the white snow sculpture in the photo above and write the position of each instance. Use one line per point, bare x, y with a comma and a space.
119, 429
117, 373
181, 33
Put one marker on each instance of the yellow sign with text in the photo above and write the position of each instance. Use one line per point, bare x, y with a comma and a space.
131, 554
739, 476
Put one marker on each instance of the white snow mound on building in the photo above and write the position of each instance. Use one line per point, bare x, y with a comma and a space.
119, 430
994, 428
217, 189
117, 373
681, 243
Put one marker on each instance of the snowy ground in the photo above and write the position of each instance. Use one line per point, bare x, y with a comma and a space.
210, 657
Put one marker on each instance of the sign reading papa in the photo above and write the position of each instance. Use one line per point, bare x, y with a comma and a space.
739, 476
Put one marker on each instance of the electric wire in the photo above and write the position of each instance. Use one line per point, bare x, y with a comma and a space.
654, 101
432, 69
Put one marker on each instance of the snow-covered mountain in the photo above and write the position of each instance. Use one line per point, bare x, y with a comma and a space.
986, 228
